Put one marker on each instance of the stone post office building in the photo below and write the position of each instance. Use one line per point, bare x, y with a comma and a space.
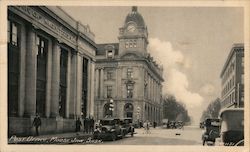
51, 65
128, 76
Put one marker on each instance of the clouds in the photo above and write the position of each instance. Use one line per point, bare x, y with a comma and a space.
176, 81
208, 89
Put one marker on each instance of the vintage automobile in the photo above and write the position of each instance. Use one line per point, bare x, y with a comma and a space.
165, 123
127, 126
232, 127
109, 128
179, 124
201, 125
211, 131
172, 125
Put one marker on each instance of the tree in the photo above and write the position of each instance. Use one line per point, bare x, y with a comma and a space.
174, 110
212, 110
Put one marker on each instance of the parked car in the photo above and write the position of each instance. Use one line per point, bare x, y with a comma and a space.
165, 123
232, 127
172, 125
201, 125
109, 128
179, 124
211, 132
127, 126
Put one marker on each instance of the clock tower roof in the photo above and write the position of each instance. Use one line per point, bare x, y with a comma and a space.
136, 17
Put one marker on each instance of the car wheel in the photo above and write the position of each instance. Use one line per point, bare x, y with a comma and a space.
203, 143
132, 133
113, 136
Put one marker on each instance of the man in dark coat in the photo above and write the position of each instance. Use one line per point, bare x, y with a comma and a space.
91, 124
37, 123
86, 125
78, 125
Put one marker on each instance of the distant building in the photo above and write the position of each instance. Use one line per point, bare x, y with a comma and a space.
50, 69
232, 78
128, 81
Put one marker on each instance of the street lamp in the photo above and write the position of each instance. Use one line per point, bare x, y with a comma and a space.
111, 107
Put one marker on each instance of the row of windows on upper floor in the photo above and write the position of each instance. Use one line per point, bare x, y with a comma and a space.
130, 74
230, 84
129, 90
110, 53
231, 69
110, 74
231, 99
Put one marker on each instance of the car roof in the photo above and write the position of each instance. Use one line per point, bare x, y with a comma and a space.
110, 119
126, 118
226, 110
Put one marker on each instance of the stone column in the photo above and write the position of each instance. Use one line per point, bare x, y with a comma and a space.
101, 83
97, 83
55, 82
90, 79
78, 84
68, 84
92, 99
49, 78
73, 86
153, 90
21, 92
31, 67
149, 88
157, 92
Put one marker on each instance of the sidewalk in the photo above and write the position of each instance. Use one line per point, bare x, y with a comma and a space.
62, 138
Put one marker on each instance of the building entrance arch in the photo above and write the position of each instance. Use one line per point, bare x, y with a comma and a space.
128, 110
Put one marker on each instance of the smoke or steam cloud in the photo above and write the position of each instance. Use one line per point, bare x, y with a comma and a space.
176, 81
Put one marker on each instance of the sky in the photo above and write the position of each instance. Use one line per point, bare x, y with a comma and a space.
192, 44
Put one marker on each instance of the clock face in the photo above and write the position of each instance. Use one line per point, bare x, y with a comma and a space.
131, 28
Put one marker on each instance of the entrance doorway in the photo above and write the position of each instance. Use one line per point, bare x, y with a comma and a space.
128, 110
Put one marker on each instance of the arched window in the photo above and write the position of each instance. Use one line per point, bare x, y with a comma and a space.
128, 110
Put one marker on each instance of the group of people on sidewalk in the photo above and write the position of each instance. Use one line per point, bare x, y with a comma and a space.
146, 126
88, 125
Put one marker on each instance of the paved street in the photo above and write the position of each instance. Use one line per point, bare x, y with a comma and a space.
191, 135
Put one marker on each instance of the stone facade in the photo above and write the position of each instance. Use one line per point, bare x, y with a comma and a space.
232, 77
51, 64
127, 75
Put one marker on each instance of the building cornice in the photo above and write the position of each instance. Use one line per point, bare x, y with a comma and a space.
235, 47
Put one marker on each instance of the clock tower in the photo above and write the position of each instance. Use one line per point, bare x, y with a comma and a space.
133, 36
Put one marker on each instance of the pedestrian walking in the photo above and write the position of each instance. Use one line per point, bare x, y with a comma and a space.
85, 125
154, 123
148, 127
91, 124
78, 125
37, 123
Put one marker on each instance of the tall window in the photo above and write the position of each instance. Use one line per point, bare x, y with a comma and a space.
130, 88
42, 49
109, 74
109, 91
129, 73
110, 54
63, 82
13, 67
84, 88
